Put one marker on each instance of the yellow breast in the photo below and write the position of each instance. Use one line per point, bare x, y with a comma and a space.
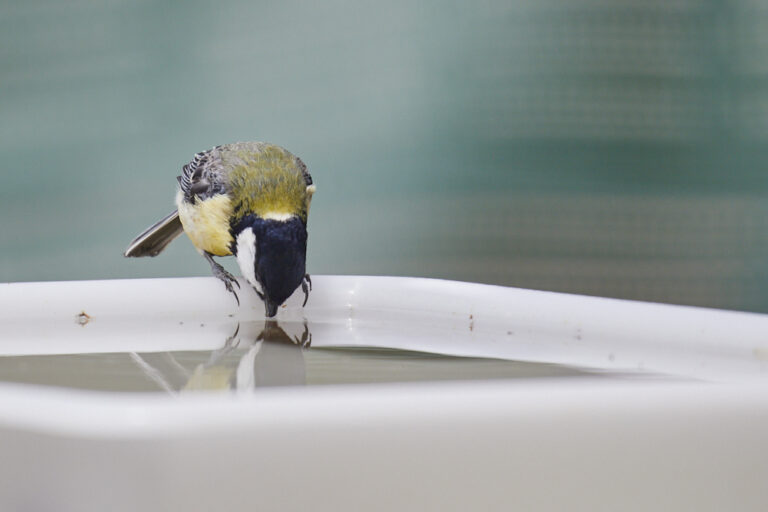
206, 223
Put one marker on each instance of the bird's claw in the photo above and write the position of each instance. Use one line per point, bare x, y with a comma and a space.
220, 273
230, 288
306, 289
233, 341
305, 341
230, 344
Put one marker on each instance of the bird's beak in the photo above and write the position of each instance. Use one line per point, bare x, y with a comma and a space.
270, 307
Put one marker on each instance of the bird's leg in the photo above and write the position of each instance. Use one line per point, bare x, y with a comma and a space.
223, 275
306, 280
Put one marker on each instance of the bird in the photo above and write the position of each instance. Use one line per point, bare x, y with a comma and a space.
249, 200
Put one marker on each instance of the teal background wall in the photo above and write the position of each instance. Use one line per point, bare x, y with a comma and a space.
603, 147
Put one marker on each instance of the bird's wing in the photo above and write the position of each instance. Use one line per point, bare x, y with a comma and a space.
203, 177
154, 239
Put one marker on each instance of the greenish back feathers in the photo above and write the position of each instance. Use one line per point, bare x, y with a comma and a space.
266, 180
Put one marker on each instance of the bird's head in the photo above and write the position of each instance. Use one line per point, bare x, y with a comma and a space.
271, 253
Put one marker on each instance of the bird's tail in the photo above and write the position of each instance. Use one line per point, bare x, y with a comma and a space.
154, 239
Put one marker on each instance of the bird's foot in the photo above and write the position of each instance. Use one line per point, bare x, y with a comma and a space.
306, 287
220, 273
305, 341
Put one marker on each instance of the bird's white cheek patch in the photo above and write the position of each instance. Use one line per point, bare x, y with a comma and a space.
246, 256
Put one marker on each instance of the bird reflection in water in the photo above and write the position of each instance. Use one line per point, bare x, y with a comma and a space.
273, 357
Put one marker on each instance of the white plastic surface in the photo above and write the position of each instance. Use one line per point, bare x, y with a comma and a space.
145, 315
693, 442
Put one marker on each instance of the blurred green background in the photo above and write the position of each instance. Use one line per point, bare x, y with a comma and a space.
603, 147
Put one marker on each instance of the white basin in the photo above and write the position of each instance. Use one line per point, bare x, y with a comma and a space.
558, 402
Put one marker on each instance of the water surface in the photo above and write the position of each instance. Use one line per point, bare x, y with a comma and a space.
272, 358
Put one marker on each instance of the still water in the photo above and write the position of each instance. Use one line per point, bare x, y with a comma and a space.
272, 358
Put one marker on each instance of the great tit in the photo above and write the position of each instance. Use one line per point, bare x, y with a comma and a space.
250, 200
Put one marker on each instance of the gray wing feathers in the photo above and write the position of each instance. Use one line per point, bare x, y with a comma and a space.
155, 238
203, 176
